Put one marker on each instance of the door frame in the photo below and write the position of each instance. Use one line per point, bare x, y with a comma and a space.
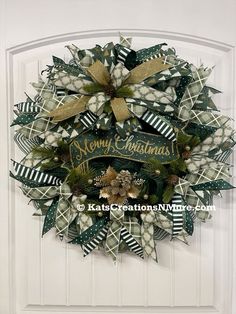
7, 280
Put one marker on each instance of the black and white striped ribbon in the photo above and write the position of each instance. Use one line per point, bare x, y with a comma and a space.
72, 231
122, 54
26, 145
133, 245
28, 106
159, 234
88, 119
222, 157
177, 214
160, 125
61, 92
92, 244
35, 175
38, 98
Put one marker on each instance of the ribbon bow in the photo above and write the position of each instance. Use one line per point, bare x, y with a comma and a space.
114, 87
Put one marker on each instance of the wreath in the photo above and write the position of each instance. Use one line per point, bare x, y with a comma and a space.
122, 147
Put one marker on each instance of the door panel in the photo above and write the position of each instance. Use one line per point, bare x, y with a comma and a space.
47, 275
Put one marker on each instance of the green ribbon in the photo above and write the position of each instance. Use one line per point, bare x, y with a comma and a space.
138, 147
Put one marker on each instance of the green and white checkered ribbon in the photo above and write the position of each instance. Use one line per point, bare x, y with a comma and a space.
147, 234
199, 161
219, 137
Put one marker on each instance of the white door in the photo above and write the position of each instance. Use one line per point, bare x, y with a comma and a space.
47, 276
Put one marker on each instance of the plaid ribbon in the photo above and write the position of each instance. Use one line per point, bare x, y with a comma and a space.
208, 174
192, 92
113, 234
191, 198
85, 221
63, 213
203, 156
125, 41
117, 231
208, 118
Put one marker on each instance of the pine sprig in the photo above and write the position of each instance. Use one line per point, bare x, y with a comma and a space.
93, 88
155, 169
124, 91
81, 181
43, 152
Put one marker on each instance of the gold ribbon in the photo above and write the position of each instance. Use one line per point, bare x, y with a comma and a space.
99, 73
69, 110
120, 109
145, 70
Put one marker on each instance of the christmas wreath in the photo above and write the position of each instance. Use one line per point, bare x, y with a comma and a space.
122, 147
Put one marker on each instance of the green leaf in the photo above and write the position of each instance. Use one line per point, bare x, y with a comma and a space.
168, 194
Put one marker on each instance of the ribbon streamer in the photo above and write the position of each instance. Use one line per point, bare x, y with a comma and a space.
116, 231
37, 176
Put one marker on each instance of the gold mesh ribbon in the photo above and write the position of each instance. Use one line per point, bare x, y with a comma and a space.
145, 70
120, 109
69, 110
99, 73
